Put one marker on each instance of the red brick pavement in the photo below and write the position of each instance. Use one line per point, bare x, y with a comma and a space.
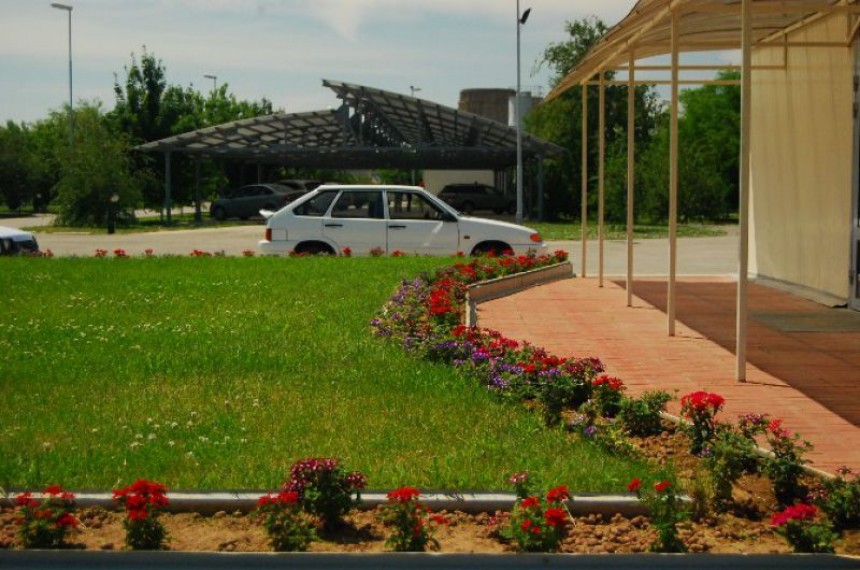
810, 379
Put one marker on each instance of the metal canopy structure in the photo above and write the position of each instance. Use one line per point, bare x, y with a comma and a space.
667, 28
702, 25
372, 128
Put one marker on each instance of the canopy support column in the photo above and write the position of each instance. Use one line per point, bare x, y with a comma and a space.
540, 187
743, 207
601, 168
168, 188
673, 181
198, 213
631, 172
583, 216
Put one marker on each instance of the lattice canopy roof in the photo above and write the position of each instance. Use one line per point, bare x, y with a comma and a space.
371, 129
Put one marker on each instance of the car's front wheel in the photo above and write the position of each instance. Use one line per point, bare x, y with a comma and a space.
492, 248
468, 208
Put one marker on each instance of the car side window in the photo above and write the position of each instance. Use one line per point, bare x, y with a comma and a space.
316, 206
412, 206
359, 204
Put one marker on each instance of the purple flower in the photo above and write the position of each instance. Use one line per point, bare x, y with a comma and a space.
589, 431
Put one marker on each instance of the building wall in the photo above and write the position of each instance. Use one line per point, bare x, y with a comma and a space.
802, 161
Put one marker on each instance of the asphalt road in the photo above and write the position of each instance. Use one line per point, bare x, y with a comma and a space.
696, 256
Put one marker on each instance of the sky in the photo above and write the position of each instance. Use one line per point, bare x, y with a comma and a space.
279, 49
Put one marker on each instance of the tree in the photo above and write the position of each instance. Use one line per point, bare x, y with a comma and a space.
709, 143
560, 121
148, 108
98, 167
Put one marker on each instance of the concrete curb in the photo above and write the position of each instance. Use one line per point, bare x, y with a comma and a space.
230, 501
510, 284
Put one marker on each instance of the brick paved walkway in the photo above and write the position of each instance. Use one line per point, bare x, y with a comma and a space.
810, 379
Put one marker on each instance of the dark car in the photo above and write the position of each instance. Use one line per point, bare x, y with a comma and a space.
469, 198
247, 201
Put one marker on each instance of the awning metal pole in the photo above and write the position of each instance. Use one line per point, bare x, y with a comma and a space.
601, 180
743, 207
584, 197
631, 173
673, 182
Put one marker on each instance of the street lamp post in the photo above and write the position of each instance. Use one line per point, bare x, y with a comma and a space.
68, 9
414, 90
521, 20
114, 199
214, 79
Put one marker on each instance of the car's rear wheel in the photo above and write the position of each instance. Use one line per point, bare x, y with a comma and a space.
219, 214
314, 248
492, 248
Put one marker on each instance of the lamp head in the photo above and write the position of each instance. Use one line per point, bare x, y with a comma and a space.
524, 18
61, 6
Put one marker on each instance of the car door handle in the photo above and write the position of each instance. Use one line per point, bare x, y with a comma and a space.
397, 227
334, 225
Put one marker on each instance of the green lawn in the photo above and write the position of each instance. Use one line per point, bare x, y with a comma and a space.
220, 372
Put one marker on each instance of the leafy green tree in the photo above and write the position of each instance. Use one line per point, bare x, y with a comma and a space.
148, 108
98, 167
709, 143
560, 121
15, 159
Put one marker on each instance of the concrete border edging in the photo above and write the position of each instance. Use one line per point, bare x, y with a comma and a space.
509, 284
245, 501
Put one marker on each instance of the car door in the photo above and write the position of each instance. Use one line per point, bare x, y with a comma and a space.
357, 221
418, 226
245, 201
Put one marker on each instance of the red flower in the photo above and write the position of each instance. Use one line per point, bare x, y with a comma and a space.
439, 519
662, 486
634, 485
23, 499
526, 525
609, 382
555, 517
530, 503
558, 494
798, 512
67, 520
702, 402
53, 490
403, 495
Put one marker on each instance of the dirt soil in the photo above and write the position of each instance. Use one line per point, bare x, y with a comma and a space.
745, 530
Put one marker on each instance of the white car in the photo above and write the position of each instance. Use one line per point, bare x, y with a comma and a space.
14, 241
386, 219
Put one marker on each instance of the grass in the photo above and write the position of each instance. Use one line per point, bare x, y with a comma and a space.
220, 372
556, 231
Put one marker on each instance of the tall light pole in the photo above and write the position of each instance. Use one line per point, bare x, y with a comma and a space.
414, 89
214, 79
521, 20
68, 9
